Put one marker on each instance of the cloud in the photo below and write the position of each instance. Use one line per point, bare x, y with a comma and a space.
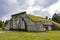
32, 9
30, 2
45, 3
54, 8
37, 7
12, 1
43, 7
8, 8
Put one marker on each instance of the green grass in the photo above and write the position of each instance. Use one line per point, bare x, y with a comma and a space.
50, 35
36, 18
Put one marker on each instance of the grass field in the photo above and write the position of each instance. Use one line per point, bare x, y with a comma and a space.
17, 35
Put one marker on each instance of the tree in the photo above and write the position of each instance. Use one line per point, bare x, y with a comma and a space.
1, 23
56, 18
46, 17
5, 23
49, 18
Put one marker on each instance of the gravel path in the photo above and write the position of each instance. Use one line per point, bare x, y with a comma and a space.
4, 31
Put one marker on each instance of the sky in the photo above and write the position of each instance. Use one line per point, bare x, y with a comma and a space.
41, 8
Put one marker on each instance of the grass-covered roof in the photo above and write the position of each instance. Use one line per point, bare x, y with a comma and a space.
36, 18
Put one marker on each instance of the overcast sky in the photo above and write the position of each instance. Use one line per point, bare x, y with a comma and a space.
36, 7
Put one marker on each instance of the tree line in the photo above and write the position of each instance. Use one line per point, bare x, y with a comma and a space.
55, 17
3, 23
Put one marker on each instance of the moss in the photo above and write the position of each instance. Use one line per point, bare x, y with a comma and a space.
36, 18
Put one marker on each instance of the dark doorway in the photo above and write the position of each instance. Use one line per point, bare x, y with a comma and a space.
46, 28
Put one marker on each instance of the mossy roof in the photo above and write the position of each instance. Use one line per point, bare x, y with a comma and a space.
56, 24
37, 18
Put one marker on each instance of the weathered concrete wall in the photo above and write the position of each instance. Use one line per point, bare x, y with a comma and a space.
33, 26
18, 23
14, 20
55, 27
49, 28
22, 21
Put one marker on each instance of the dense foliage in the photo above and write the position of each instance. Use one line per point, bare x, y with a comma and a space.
4, 24
1, 23
46, 17
56, 18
